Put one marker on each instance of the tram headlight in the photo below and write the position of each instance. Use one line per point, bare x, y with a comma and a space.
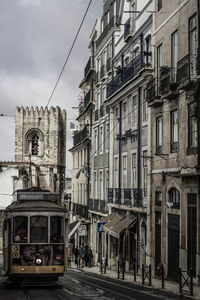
38, 261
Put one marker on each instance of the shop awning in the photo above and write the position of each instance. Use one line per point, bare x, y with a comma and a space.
119, 224
73, 228
114, 219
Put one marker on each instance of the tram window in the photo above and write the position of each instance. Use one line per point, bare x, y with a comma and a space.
56, 229
39, 229
20, 225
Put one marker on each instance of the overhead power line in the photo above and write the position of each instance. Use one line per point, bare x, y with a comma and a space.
70, 51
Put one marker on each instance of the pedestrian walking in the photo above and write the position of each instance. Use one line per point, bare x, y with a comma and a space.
90, 257
81, 255
86, 257
76, 254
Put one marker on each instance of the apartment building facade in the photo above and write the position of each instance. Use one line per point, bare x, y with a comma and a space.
129, 192
172, 95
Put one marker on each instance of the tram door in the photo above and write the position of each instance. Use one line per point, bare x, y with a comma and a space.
9, 224
6, 244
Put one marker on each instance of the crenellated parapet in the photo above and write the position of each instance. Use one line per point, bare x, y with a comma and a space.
49, 125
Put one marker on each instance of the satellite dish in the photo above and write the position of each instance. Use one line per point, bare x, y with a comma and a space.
170, 204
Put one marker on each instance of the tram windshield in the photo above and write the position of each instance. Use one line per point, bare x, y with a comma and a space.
39, 229
56, 229
20, 229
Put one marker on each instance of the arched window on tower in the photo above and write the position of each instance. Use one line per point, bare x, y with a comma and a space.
35, 145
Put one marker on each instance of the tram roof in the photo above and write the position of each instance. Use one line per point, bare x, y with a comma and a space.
36, 206
36, 199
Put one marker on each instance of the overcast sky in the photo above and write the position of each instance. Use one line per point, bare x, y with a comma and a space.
36, 36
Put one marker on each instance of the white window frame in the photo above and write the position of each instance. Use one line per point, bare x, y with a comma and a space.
124, 170
101, 139
107, 139
101, 189
116, 171
134, 170
95, 141
95, 185
134, 110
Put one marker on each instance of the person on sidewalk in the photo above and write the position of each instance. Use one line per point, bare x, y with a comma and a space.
81, 255
86, 257
76, 254
90, 257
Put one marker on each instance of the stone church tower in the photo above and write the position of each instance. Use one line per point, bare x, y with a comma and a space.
40, 141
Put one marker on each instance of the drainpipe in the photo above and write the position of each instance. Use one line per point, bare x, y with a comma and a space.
141, 49
120, 144
139, 195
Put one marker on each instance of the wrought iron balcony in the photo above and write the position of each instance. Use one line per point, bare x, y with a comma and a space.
110, 196
103, 206
86, 101
128, 196
81, 135
106, 30
187, 71
80, 210
88, 98
153, 97
89, 66
118, 196
91, 204
126, 74
168, 83
128, 29
96, 205
137, 193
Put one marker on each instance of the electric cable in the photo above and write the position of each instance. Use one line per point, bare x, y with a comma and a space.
67, 58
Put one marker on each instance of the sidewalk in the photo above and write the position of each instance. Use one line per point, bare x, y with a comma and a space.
169, 286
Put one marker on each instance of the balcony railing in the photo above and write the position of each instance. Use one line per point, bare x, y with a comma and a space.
86, 101
129, 196
81, 135
110, 195
118, 196
153, 97
126, 74
98, 205
87, 98
89, 66
168, 83
80, 210
129, 28
187, 71
106, 30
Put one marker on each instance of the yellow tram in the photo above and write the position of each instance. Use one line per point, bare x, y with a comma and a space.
35, 235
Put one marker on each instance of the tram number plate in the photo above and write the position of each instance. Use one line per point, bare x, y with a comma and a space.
15, 251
